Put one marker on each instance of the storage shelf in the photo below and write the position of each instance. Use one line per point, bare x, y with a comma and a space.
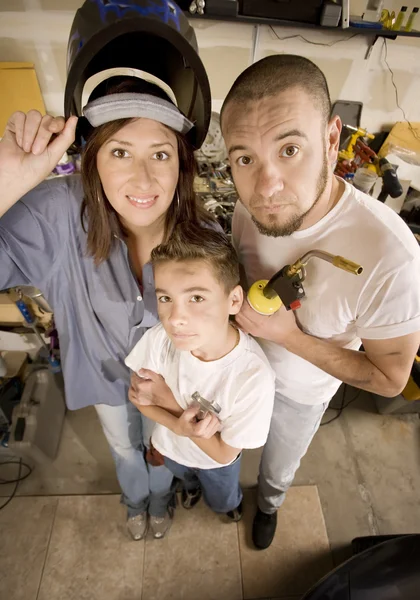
282, 23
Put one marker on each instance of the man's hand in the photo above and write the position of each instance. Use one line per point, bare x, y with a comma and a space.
275, 328
188, 426
149, 389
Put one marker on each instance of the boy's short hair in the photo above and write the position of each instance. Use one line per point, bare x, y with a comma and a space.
191, 242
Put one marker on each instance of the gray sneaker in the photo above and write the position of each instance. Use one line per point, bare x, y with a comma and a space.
137, 526
160, 525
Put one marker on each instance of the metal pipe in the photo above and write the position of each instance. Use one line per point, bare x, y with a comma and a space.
34, 294
255, 41
338, 261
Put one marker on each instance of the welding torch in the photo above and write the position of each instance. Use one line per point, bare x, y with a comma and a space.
286, 286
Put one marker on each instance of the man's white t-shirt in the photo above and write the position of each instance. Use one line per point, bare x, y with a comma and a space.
242, 383
339, 307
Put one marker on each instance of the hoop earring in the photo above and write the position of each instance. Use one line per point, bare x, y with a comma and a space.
177, 199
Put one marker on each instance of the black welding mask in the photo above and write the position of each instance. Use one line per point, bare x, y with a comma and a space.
151, 36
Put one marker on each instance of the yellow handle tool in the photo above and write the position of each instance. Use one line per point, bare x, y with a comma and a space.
285, 287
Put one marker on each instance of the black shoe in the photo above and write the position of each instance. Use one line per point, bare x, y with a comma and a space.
190, 498
236, 514
263, 529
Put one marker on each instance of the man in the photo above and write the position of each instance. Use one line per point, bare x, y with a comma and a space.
282, 147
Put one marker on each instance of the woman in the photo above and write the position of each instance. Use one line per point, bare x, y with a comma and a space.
86, 243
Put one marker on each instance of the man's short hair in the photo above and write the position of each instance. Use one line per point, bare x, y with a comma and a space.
274, 74
191, 242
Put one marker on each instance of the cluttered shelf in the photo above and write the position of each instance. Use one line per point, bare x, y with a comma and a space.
362, 30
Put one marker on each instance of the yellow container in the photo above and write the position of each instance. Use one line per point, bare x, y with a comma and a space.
261, 304
412, 18
411, 391
399, 20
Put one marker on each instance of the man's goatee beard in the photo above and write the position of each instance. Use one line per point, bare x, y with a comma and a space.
294, 223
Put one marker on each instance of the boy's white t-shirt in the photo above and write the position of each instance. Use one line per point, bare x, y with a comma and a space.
339, 307
242, 383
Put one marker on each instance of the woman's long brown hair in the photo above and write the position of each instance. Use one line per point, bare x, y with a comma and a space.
99, 219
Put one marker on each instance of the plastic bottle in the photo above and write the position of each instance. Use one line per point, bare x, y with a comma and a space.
364, 180
399, 20
411, 19
373, 10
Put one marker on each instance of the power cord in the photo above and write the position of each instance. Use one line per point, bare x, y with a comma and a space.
289, 37
342, 406
16, 481
413, 131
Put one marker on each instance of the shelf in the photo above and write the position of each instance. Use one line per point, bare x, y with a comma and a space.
283, 23
381, 32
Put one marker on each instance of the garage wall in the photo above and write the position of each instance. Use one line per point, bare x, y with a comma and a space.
37, 31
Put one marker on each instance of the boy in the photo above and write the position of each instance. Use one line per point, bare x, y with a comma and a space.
197, 349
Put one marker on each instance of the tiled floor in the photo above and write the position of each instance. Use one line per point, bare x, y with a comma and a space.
76, 548
89, 556
25, 525
361, 475
299, 555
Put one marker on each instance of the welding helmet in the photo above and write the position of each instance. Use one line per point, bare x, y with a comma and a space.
151, 36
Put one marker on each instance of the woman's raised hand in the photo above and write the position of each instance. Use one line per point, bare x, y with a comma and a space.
28, 154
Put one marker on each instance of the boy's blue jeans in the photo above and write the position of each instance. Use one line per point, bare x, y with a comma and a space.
220, 486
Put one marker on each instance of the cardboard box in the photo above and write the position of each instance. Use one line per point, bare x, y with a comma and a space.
402, 136
15, 362
19, 90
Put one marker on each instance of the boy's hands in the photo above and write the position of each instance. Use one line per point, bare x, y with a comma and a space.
188, 426
149, 389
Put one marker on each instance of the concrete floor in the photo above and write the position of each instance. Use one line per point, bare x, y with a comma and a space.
366, 467
79, 550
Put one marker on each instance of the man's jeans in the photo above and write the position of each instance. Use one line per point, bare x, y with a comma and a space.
220, 486
292, 428
144, 487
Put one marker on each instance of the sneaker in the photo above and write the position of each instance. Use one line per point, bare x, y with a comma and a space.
137, 526
190, 498
263, 529
160, 525
235, 515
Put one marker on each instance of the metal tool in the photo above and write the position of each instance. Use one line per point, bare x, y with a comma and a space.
285, 287
34, 294
197, 6
205, 406
358, 132
31, 322
359, 155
